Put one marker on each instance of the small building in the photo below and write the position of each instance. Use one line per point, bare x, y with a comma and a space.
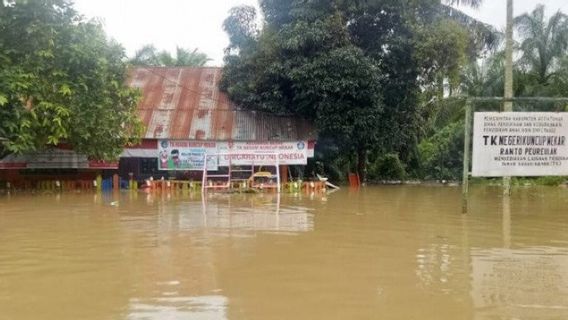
186, 116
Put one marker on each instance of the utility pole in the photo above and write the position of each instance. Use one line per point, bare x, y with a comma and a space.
508, 104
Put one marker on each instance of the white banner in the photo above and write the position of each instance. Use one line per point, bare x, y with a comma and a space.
520, 144
264, 153
189, 155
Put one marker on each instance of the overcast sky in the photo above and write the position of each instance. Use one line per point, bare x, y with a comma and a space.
197, 23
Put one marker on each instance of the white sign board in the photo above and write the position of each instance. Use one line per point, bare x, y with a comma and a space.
263, 153
520, 144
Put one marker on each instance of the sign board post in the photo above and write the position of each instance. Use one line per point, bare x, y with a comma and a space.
466, 153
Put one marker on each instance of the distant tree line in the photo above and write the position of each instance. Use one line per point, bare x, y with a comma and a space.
148, 55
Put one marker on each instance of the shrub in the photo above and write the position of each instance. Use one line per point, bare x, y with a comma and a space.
442, 154
550, 181
387, 167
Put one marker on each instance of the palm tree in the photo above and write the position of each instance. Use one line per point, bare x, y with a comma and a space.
184, 57
544, 43
559, 79
484, 36
485, 78
148, 55
470, 3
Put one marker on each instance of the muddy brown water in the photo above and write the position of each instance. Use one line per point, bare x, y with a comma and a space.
392, 252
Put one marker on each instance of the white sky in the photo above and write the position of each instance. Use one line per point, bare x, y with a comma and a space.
198, 23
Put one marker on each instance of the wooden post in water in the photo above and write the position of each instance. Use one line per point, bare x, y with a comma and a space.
466, 153
116, 182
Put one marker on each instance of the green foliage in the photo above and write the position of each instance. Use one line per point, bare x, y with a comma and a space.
241, 27
148, 55
442, 50
551, 181
388, 167
335, 161
543, 42
542, 70
352, 67
484, 78
483, 37
442, 153
357, 69
62, 81
310, 69
472, 3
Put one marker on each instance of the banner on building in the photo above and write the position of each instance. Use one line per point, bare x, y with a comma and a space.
186, 155
263, 153
520, 144
189, 155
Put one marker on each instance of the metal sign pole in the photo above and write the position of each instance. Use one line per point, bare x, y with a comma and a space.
508, 105
466, 153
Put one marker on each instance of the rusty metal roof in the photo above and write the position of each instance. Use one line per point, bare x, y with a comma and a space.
185, 103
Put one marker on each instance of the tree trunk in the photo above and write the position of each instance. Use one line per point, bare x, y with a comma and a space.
362, 164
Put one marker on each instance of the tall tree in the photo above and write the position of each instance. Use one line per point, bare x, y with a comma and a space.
354, 67
148, 55
543, 43
62, 81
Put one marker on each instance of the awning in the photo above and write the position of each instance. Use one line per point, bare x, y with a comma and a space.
139, 153
54, 159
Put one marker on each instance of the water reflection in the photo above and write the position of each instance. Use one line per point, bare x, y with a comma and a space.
520, 272
506, 221
187, 308
256, 212
525, 283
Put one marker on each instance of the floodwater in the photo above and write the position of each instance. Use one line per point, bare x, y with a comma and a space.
397, 252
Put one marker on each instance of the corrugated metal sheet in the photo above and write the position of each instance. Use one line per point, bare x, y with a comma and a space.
185, 103
53, 159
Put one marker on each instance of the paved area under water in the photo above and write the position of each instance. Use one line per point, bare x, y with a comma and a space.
392, 252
